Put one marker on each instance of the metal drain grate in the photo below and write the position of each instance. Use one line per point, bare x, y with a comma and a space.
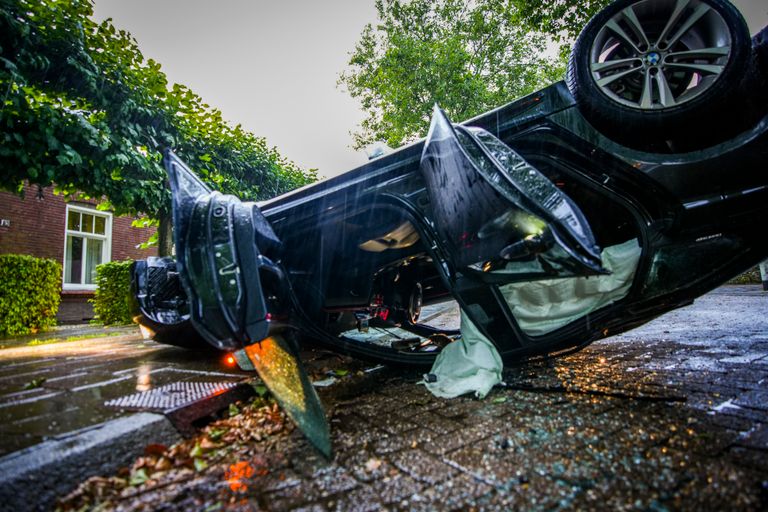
171, 396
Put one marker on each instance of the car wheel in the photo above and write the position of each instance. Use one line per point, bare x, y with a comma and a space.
414, 303
651, 71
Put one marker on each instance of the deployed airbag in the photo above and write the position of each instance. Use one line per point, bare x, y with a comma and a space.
543, 306
473, 365
469, 365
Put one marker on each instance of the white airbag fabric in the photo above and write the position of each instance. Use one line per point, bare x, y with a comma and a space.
543, 306
473, 365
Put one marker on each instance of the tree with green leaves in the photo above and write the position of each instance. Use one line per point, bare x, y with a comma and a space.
84, 110
560, 19
466, 56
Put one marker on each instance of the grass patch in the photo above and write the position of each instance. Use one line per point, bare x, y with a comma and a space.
36, 342
48, 341
91, 336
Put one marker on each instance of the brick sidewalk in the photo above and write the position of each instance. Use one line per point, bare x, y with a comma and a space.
670, 416
48, 390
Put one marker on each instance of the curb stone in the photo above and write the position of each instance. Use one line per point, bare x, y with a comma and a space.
32, 479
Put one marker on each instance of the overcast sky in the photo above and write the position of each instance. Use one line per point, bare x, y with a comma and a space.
272, 65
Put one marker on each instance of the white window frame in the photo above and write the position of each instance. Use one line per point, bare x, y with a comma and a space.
106, 251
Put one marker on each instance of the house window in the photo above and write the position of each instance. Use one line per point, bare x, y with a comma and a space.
88, 243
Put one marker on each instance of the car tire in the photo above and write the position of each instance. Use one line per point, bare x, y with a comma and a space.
183, 335
760, 58
155, 279
645, 80
415, 300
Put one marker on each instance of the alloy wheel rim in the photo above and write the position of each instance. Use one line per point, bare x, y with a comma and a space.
653, 56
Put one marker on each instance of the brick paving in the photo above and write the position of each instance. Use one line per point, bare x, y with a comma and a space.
52, 389
671, 416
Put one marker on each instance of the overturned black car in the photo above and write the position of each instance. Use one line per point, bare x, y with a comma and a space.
577, 212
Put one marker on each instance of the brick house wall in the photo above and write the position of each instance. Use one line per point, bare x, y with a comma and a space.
37, 226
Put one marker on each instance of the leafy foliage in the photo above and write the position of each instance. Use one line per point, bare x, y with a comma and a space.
111, 300
466, 56
83, 109
561, 19
30, 295
237, 448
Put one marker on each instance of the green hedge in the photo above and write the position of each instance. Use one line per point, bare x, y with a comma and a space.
111, 300
29, 295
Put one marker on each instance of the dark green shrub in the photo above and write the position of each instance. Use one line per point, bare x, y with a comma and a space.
29, 295
111, 300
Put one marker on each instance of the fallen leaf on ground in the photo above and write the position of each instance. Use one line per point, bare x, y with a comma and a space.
197, 451
35, 383
206, 444
155, 449
138, 477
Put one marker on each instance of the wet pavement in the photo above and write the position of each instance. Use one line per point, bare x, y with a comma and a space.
673, 415
47, 390
670, 416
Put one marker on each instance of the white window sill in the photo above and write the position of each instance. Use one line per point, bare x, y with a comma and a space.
78, 287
